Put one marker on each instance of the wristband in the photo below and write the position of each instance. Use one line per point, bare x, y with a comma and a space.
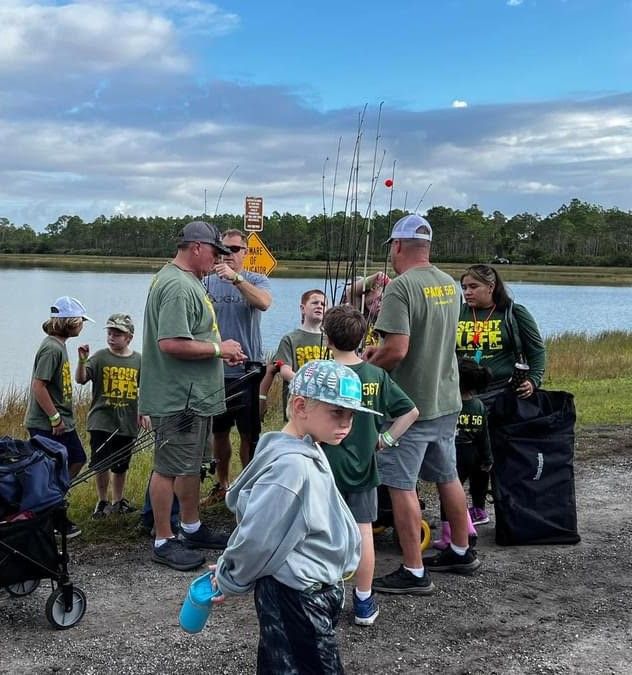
263, 397
389, 440
217, 349
83, 359
55, 420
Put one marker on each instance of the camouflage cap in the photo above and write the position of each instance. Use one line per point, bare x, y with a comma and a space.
330, 382
121, 322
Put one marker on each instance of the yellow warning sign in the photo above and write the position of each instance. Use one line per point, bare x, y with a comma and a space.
258, 259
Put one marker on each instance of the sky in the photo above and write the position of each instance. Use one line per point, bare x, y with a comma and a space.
148, 107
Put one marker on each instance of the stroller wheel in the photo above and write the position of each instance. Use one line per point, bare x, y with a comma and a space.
22, 588
56, 612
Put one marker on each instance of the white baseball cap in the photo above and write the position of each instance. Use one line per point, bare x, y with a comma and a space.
68, 308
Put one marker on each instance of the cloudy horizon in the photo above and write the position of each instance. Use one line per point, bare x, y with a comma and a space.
117, 108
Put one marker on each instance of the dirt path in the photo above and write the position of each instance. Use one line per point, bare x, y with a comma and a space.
530, 610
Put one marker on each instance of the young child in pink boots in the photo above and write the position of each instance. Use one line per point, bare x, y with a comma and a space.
473, 448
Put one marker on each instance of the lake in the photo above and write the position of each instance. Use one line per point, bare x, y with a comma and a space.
28, 293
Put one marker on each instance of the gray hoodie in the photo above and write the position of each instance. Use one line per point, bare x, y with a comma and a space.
292, 522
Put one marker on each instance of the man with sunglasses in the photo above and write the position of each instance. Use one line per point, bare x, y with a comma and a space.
239, 297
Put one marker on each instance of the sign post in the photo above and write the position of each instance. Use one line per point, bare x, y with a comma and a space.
253, 214
258, 258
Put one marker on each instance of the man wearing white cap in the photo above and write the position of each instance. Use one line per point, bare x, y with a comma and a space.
418, 322
181, 388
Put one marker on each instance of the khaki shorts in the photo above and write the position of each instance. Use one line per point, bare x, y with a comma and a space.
180, 443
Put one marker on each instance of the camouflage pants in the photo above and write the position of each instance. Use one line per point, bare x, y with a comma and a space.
297, 629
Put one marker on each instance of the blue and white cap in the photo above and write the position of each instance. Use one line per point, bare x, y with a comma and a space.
411, 227
330, 382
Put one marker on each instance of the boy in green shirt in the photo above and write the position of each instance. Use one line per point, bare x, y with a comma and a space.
113, 419
297, 347
355, 468
49, 412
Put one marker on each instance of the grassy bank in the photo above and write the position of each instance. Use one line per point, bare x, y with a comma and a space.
598, 371
548, 274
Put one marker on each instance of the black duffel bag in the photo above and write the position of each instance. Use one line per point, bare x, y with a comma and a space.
533, 482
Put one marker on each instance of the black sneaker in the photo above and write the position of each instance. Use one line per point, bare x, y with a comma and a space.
404, 581
203, 538
173, 554
122, 507
449, 561
101, 510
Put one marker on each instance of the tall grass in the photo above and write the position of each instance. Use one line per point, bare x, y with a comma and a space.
607, 355
597, 370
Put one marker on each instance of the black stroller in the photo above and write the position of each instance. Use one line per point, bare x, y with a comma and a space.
33, 483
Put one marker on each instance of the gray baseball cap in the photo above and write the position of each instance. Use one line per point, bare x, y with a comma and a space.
330, 382
205, 233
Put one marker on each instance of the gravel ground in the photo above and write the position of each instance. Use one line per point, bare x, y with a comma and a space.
530, 609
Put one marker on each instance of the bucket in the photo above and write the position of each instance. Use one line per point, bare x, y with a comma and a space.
197, 605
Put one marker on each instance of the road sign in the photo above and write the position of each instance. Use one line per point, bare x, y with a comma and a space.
253, 214
258, 258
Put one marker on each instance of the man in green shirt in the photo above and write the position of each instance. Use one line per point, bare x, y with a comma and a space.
181, 388
418, 321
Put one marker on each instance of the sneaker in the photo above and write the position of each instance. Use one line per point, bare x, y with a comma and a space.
173, 554
215, 496
101, 510
122, 507
365, 611
478, 516
203, 538
404, 581
449, 561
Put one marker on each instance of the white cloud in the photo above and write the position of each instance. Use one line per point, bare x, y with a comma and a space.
84, 36
105, 116
514, 3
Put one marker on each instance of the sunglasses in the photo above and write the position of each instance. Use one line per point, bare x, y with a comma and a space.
236, 249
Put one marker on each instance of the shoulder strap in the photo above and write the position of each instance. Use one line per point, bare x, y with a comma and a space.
514, 332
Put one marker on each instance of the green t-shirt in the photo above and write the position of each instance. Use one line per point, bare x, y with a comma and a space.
52, 366
178, 307
353, 462
489, 334
423, 303
471, 429
297, 348
114, 392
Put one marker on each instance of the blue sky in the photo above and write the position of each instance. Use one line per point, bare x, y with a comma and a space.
138, 107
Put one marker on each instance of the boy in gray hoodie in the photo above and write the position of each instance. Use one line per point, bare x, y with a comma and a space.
296, 538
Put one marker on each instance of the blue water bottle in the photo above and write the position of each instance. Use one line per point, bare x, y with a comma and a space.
198, 604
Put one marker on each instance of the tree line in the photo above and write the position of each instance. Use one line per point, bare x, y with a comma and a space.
577, 233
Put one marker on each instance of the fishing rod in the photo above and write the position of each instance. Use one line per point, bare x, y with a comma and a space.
147, 438
422, 198
342, 238
221, 192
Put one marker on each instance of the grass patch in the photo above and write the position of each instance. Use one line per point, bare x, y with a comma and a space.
597, 370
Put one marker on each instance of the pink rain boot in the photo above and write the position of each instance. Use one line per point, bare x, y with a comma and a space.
446, 537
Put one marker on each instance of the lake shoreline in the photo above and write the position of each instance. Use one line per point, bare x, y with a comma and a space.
296, 269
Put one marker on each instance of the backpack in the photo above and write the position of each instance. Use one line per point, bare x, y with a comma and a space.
533, 480
33, 474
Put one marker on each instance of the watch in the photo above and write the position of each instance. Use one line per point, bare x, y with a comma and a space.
237, 279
